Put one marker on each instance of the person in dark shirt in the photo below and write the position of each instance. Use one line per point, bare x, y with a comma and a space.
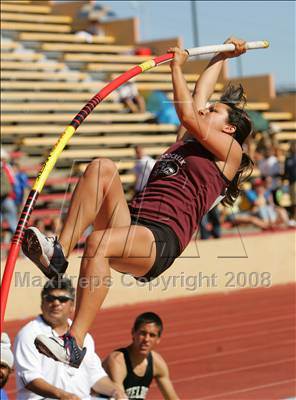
21, 184
290, 174
206, 165
134, 367
8, 210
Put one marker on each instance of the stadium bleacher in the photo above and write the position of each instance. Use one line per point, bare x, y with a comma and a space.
48, 73
64, 38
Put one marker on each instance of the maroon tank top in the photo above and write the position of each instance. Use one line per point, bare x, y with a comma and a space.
182, 187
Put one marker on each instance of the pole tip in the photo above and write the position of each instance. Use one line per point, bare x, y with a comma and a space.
266, 43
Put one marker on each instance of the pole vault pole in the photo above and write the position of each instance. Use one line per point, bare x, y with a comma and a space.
66, 136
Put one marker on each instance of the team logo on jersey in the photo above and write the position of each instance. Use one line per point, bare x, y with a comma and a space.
165, 168
137, 392
168, 165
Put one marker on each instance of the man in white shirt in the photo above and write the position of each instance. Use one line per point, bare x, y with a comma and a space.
39, 377
6, 363
270, 166
142, 168
128, 95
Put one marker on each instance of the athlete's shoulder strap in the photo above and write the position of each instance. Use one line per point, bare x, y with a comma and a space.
127, 360
150, 364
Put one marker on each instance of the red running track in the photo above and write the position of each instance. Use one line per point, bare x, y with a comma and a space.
233, 346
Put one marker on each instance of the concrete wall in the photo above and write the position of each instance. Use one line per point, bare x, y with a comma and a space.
211, 266
197, 66
285, 102
70, 8
258, 88
125, 31
159, 47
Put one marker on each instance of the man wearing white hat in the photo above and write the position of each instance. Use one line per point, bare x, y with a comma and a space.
6, 365
39, 377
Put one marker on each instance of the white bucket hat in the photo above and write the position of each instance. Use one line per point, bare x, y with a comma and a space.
6, 353
4, 154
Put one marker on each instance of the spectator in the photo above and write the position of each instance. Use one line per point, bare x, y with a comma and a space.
92, 10
261, 200
95, 27
245, 216
134, 367
53, 227
163, 109
94, 13
39, 377
290, 174
130, 97
6, 365
275, 196
8, 207
263, 205
40, 223
142, 168
20, 185
276, 193
212, 218
270, 166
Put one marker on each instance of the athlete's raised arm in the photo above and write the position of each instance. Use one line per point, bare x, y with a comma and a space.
209, 125
205, 85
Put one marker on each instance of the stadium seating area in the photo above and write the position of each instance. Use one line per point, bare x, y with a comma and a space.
48, 73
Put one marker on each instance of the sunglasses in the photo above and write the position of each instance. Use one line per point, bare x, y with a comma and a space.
49, 298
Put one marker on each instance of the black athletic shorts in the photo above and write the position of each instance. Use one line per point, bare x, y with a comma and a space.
167, 246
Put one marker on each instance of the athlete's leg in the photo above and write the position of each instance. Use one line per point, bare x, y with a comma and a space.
98, 199
129, 249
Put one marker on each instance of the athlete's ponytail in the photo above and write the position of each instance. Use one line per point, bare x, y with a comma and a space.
235, 99
242, 175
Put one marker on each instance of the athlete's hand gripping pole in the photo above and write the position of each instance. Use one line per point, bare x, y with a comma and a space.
262, 44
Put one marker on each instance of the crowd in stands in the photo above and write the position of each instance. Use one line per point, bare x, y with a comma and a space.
131, 98
267, 201
94, 13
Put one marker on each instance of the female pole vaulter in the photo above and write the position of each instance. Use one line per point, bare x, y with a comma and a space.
205, 165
